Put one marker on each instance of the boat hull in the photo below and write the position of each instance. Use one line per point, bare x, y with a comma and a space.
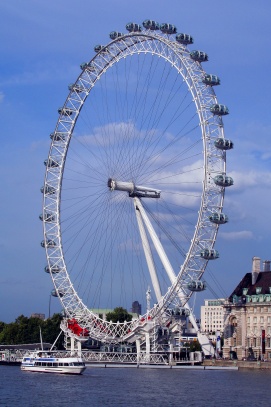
63, 370
48, 363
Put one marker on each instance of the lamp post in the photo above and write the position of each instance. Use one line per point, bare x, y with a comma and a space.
50, 296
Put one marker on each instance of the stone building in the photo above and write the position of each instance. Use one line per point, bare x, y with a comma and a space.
247, 330
212, 316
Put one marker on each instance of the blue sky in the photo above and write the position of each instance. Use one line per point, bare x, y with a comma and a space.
42, 46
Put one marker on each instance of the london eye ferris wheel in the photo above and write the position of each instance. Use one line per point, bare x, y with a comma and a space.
135, 178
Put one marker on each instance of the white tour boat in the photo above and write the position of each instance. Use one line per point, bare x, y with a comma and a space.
47, 362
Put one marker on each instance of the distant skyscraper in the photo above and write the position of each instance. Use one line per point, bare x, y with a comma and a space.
136, 308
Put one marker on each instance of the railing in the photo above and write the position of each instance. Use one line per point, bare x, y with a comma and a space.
131, 358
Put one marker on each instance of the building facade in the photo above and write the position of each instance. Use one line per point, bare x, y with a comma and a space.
136, 308
247, 330
212, 315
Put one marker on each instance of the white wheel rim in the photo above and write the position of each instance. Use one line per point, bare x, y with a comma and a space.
213, 163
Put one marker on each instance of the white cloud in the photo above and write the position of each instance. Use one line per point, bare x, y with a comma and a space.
241, 235
252, 178
41, 75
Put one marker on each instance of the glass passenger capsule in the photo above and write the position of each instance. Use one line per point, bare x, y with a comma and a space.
56, 293
54, 269
223, 144
223, 180
100, 48
65, 111
209, 254
168, 28
50, 163
219, 218
74, 87
180, 312
151, 25
133, 27
48, 190
47, 217
196, 285
57, 136
87, 66
199, 56
184, 39
211, 80
219, 110
48, 243
115, 34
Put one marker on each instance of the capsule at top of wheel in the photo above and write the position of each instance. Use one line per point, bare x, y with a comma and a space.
54, 269
133, 27
100, 48
223, 180
196, 285
219, 110
151, 25
50, 163
199, 56
209, 254
223, 144
115, 34
167, 28
65, 111
87, 66
74, 87
211, 80
47, 190
219, 218
56, 293
184, 39
48, 243
57, 136
47, 217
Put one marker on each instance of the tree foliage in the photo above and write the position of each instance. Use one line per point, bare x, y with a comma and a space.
119, 314
27, 330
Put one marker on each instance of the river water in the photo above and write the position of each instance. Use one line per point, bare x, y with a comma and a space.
99, 387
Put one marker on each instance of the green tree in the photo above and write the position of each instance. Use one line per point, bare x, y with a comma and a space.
119, 314
27, 330
194, 346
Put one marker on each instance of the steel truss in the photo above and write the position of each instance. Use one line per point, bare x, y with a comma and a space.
193, 267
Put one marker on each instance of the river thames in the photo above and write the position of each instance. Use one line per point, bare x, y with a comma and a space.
135, 387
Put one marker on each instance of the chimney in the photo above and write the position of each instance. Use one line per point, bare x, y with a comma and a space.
256, 268
266, 265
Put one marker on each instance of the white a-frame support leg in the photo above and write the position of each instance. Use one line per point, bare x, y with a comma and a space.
161, 253
148, 254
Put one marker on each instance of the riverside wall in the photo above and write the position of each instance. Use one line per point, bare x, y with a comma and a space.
241, 364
